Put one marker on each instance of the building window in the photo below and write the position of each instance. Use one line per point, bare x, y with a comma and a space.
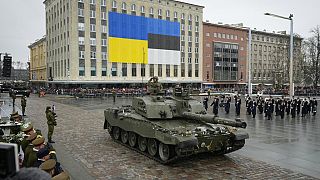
183, 71
190, 17
134, 70
182, 48
182, 16
223, 36
189, 60
104, 68
189, 27
168, 13
235, 37
143, 70
189, 70
175, 15
207, 44
197, 39
104, 56
151, 10
114, 69
93, 2
167, 70
92, 14
160, 70
197, 18
124, 6
124, 69
151, 70
175, 70
103, 2
196, 71
81, 67
103, 15
189, 49
189, 38
93, 41
182, 59
92, 55
197, 61
160, 12
207, 34
182, 27
114, 4
81, 54
104, 29
80, 1
104, 42
142, 9
92, 28
197, 28
80, 12
93, 67
182, 37
81, 40
133, 7
196, 50
81, 26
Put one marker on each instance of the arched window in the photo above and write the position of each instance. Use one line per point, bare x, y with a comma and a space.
182, 16
124, 6
168, 13
133, 7
151, 10
142, 9
160, 12
190, 17
175, 15
114, 4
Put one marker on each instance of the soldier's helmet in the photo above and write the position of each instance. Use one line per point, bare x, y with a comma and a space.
48, 108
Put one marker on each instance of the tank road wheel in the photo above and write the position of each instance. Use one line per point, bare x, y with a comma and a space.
164, 152
116, 133
124, 136
152, 147
109, 128
132, 139
142, 143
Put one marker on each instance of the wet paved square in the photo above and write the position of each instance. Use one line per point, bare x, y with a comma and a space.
277, 149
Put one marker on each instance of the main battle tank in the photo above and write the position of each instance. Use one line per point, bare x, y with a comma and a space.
166, 128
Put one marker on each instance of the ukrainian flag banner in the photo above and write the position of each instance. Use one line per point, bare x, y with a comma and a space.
137, 39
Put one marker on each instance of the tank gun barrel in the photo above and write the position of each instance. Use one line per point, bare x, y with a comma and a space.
215, 120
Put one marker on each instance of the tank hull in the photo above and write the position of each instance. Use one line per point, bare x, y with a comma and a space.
169, 140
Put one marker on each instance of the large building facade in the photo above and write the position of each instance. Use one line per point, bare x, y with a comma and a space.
117, 42
270, 58
224, 55
38, 64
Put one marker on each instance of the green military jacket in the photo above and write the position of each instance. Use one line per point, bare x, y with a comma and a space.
29, 155
50, 118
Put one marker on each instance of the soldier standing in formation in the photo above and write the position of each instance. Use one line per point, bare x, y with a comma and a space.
23, 105
298, 106
51, 121
254, 109
282, 109
238, 106
227, 105
249, 105
293, 108
260, 105
314, 106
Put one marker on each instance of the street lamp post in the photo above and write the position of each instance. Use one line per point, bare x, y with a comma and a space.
291, 88
249, 64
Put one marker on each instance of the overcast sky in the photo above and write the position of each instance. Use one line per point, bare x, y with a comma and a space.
23, 21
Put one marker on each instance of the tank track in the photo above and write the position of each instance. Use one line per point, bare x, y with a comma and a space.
146, 153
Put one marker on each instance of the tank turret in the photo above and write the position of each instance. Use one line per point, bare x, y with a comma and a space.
166, 128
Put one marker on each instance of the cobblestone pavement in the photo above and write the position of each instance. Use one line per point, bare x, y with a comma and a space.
80, 131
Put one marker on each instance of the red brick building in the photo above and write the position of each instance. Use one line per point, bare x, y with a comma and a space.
224, 55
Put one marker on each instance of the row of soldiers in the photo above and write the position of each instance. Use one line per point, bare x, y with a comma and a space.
225, 102
34, 151
281, 106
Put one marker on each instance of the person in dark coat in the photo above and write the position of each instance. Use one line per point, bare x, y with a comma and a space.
288, 107
205, 103
269, 110
282, 108
260, 105
227, 105
314, 107
298, 106
254, 109
215, 106
238, 106
293, 108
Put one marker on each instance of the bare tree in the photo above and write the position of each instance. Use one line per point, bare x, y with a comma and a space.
312, 57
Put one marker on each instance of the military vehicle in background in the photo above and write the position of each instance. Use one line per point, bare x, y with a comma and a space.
20, 88
166, 128
5, 86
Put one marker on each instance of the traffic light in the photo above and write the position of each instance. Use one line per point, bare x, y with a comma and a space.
7, 65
